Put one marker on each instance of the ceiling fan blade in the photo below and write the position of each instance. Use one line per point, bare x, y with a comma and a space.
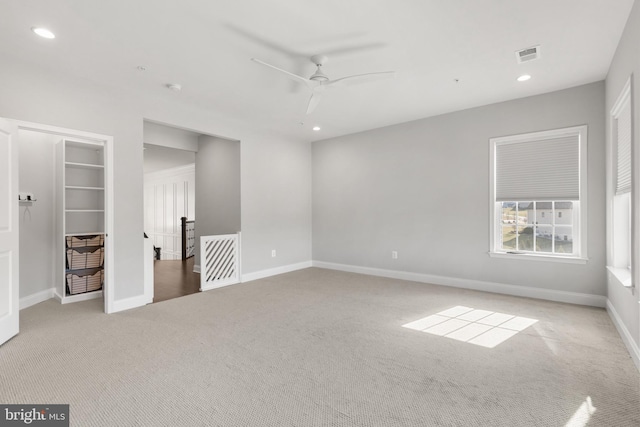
295, 77
314, 100
261, 40
354, 48
361, 78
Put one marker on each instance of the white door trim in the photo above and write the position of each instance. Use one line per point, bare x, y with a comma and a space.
9, 243
108, 167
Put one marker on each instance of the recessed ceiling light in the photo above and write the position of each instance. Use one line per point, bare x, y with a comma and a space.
43, 32
524, 78
316, 128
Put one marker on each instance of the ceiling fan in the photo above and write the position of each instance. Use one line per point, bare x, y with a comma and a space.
318, 82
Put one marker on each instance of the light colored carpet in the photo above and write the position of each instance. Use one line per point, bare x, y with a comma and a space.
319, 348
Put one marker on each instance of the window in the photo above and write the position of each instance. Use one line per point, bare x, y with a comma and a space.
619, 256
538, 186
525, 229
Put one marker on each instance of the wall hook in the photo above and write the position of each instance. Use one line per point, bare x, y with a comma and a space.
26, 197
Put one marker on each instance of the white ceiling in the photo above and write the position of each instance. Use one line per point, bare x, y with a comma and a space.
206, 47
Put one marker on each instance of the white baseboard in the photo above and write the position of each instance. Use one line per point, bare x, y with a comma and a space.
129, 303
36, 298
500, 288
196, 268
70, 299
631, 345
274, 271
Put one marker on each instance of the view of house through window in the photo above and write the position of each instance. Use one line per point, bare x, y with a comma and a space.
537, 226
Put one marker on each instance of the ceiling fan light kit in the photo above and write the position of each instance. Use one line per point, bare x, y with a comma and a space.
318, 82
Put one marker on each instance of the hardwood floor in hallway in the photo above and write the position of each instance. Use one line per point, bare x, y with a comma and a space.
174, 278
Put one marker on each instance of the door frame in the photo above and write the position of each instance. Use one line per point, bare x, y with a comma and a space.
108, 288
9, 237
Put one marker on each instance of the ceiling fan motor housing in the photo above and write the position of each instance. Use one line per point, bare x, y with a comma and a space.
319, 76
319, 61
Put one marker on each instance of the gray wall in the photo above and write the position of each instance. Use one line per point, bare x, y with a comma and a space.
170, 137
166, 147
37, 220
276, 203
422, 189
37, 95
626, 61
217, 188
157, 158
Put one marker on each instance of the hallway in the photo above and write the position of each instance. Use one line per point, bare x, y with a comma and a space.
174, 279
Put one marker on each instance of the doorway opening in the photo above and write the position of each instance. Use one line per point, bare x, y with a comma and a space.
65, 187
169, 212
191, 189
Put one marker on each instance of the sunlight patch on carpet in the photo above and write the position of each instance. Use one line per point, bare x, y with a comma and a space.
480, 327
582, 415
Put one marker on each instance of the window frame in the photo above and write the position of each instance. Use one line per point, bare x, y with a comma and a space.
580, 226
620, 234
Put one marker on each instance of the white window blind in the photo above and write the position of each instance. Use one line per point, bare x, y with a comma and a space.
623, 149
546, 169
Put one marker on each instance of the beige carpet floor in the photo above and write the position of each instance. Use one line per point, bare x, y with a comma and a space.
321, 348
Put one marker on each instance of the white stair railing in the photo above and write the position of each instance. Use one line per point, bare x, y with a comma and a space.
219, 259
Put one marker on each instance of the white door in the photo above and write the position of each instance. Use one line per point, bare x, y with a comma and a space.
9, 302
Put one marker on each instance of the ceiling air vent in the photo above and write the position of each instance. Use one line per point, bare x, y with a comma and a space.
528, 54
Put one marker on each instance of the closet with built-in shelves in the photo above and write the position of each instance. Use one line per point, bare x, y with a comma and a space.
80, 198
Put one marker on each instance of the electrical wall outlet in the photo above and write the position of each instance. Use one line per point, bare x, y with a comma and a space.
394, 254
273, 253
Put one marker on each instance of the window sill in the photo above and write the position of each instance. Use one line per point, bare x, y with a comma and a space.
622, 275
536, 257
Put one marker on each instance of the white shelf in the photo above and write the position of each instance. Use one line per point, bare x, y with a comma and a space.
81, 297
83, 165
78, 187
81, 202
96, 146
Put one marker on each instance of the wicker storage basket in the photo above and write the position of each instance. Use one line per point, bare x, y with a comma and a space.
84, 241
86, 259
81, 284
